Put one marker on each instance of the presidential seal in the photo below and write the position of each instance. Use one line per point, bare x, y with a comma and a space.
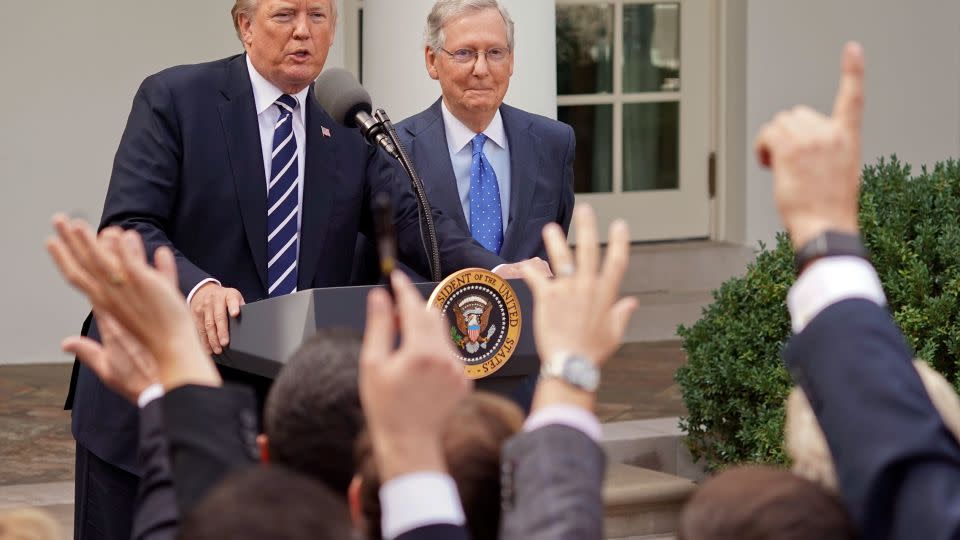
484, 316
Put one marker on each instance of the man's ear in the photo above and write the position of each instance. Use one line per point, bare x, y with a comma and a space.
246, 28
430, 59
353, 500
263, 444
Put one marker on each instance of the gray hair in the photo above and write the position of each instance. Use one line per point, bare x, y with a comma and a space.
246, 7
446, 10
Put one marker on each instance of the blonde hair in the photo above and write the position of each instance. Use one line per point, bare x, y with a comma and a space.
28, 524
807, 445
246, 7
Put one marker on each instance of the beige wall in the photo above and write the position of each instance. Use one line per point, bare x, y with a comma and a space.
69, 75
913, 79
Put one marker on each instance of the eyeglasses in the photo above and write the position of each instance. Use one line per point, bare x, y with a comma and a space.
467, 56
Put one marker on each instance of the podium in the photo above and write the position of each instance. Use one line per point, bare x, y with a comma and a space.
268, 332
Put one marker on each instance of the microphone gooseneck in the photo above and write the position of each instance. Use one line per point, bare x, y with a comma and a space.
339, 93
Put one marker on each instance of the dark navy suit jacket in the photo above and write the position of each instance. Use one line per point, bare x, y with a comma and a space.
541, 179
189, 174
541, 173
897, 464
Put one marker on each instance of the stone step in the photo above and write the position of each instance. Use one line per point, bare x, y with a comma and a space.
673, 282
656, 444
641, 503
659, 313
700, 265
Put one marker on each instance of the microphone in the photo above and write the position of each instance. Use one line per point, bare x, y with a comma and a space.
340, 94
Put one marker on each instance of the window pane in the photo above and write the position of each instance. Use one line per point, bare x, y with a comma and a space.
593, 165
651, 152
651, 47
584, 49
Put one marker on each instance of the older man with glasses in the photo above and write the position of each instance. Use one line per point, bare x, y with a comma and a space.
506, 173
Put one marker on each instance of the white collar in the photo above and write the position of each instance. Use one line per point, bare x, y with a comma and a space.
459, 135
265, 93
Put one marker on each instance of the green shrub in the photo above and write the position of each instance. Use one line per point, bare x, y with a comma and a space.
734, 384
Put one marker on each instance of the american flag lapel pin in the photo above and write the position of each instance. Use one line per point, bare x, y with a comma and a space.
325, 131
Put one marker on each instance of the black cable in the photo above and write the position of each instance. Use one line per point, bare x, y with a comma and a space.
430, 242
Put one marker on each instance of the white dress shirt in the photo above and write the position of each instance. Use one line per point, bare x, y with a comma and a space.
830, 280
497, 150
265, 95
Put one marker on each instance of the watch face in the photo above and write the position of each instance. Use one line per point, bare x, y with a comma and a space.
582, 373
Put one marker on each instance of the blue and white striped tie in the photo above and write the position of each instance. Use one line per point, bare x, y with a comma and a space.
283, 204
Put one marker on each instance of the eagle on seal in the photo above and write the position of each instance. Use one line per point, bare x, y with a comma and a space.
472, 320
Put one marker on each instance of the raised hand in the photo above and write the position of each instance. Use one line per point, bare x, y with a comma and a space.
579, 311
816, 159
408, 393
121, 362
113, 272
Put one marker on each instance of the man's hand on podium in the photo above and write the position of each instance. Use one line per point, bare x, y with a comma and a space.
516, 270
211, 305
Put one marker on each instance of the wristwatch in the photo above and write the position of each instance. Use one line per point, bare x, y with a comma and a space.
829, 244
574, 369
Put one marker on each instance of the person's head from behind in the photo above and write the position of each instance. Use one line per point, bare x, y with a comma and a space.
28, 524
469, 50
312, 414
471, 446
763, 503
268, 502
287, 41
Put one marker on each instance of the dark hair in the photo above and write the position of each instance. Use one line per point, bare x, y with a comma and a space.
760, 503
268, 501
312, 415
471, 446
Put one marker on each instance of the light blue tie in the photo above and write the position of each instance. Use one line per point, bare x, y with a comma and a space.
486, 219
283, 204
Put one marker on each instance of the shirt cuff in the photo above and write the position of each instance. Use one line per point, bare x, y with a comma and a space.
150, 393
830, 280
416, 500
497, 267
565, 415
197, 288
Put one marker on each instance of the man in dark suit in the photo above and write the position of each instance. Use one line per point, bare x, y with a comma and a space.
504, 169
498, 172
898, 466
259, 193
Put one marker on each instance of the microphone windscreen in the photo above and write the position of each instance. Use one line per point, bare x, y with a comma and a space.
339, 93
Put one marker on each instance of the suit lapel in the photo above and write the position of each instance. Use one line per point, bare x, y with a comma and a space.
241, 131
432, 156
525, 168
322, 176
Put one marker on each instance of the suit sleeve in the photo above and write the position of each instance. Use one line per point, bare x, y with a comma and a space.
146, 175
457, 250
566, 194
436, 532
552, 486
156, 516
211, 432
897, 465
